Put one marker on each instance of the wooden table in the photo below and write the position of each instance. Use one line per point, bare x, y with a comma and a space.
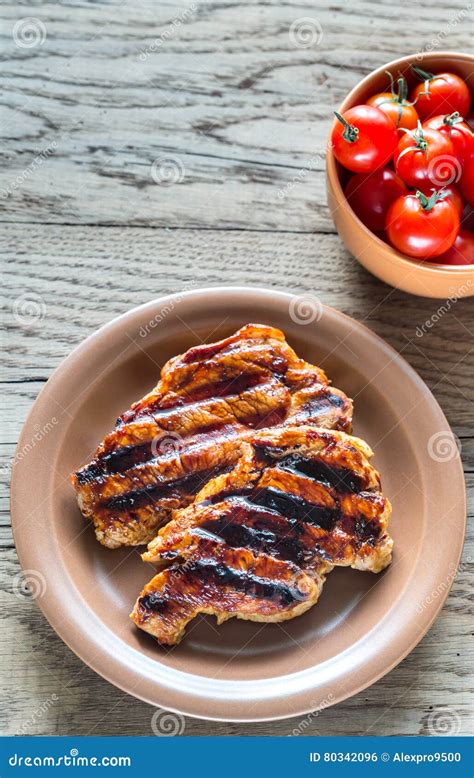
151, 146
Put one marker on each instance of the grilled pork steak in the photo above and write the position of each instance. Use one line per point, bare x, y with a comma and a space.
299, 501
222, 581
190, 427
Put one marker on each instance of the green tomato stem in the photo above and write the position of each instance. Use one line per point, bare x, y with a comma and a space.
427, 203
452, 119
423, 75
350, 133
419, 138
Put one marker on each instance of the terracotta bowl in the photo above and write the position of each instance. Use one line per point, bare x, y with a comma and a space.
421, 278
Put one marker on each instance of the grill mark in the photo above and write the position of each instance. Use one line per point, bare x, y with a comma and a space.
138, 498
327, 400
153, 602
294, 507
340, 478
117, 461
126, 458
324, 402
220, 574
277, 364
207, 350
228, 387
243, 581
225, 388
286, 505
366, 530
260, 533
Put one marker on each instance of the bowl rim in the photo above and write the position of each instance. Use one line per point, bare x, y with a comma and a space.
394, 256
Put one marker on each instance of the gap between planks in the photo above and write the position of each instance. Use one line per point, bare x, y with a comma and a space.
163, 228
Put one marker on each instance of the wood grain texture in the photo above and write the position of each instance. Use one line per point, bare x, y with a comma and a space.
78, 278
223, 95
239, 112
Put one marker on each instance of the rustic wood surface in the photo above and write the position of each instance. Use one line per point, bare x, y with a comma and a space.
151, 146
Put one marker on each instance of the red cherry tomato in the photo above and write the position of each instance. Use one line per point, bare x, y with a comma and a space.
461, 252
457, 131
441, 93
395, 104
425, 158
371, 194
422, 227
363, 139
467, 180
402, 115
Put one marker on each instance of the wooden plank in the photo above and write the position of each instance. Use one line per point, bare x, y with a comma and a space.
226, 98
66, 272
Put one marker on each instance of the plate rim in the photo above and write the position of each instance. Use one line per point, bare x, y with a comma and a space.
49, 609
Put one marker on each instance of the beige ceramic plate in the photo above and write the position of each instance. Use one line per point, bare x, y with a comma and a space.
363, 625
